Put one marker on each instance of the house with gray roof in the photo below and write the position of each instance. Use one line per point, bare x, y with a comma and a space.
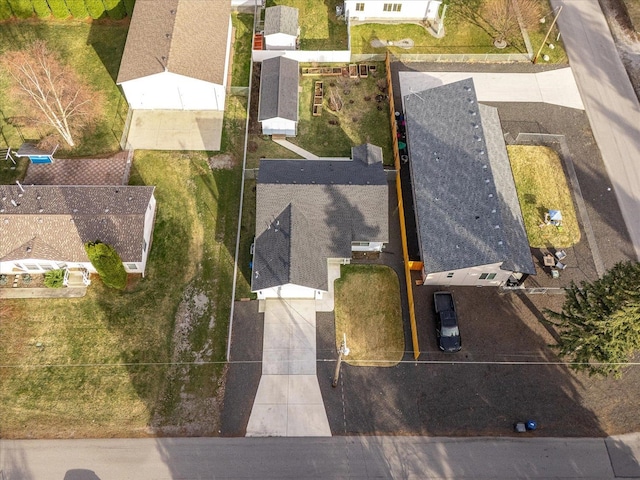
281, 28
313, 212
469, 223
45, 227
278, 103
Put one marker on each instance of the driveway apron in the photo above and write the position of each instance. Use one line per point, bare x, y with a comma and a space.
288, 402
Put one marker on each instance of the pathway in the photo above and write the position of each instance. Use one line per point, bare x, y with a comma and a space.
296, 149
557, 87
610, 102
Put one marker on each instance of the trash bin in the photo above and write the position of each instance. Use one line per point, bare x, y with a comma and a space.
531, 425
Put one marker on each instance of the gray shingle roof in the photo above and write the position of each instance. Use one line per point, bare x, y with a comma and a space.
310, 210
466, 206
188, 37
54, 222
367, 153
281, 19
278, 89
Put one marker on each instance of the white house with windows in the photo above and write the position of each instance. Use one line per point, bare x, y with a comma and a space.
311, 213
381, 10
45, 227
469, 223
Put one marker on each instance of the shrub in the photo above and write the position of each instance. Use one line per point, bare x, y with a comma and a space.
128, 5
26, 279
21, 8
41, 7
3, 279
115, 9
77, 8
59, 8
54, 278
108, 263
95, 8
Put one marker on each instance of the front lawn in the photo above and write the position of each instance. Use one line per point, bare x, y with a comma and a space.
541, 185
104, 365
367, 309
320, 29
363, 118
94, 52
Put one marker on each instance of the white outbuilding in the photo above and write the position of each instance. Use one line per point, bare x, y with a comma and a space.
281, 28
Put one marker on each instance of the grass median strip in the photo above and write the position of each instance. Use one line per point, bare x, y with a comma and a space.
368, 311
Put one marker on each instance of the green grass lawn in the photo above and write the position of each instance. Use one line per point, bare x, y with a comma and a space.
94, 52
361, 120
243, 24
460, 38
101, 369
367, 309
556, 54
541, 185
319, 27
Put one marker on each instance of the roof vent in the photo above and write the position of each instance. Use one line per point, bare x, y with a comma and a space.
106, 210
6, 220
497, 227
500, 242
130, 198
41, 210
75, 210
493, 211
486, 180
1, 210
13, 202
491, 195
28, 249
484, 167
38, 197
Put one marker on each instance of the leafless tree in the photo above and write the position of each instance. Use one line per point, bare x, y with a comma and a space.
55, 93
499, 18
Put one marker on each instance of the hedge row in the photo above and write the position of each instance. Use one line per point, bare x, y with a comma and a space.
81, 9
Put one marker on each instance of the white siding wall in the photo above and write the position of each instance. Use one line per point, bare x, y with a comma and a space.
289, 291
410, 10
279, 126
280, 41
149, 218
468, 276
168, 91
39, 266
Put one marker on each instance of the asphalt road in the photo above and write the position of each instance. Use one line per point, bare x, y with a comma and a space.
303, 458
609, 99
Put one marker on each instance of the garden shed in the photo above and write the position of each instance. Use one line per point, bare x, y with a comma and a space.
281, 28
469, 223
278, 104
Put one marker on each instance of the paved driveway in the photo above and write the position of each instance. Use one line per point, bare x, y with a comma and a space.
175, 130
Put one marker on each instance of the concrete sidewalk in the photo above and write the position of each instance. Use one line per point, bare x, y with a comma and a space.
288, 402
296, 149
557, 87
610, 102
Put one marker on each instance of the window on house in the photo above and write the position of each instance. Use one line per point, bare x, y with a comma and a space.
359, 7
397, 7
450, 275
487, 276
132, 266
31, 266
392, 7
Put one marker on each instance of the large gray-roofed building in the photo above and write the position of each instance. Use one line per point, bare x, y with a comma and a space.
309, 211
467, 211
186, 37
278, 89
54, 222
281, 19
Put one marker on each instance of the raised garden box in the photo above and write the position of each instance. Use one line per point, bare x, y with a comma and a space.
353, 70
363, 70
322, 71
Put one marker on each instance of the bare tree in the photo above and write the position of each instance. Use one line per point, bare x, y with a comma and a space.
499, 18
335, 100
55, 93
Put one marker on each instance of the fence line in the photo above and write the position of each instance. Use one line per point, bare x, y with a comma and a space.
443, 57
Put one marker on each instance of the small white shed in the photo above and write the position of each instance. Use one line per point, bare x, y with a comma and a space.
278, 104
281, 28
371, 10
177, 55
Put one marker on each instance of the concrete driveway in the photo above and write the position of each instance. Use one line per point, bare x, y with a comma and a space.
175, 130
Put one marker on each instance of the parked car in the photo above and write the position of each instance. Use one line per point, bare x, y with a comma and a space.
447, 331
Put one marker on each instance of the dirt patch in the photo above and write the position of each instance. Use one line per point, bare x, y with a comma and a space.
223, 161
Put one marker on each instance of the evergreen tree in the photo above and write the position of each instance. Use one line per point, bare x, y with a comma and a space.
128, 5
108, 263
115, 9
59, 8
599, 326
77, 8
41, 7
95, 8
21, 8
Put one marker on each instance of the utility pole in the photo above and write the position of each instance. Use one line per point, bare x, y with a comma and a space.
342, 351
535, 59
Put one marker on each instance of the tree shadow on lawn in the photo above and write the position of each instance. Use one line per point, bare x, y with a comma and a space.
503, 374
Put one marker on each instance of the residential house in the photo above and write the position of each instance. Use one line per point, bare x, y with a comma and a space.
469, 223
45, 227
176, 56
278, 104
310, 213
385, 10
281, 28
